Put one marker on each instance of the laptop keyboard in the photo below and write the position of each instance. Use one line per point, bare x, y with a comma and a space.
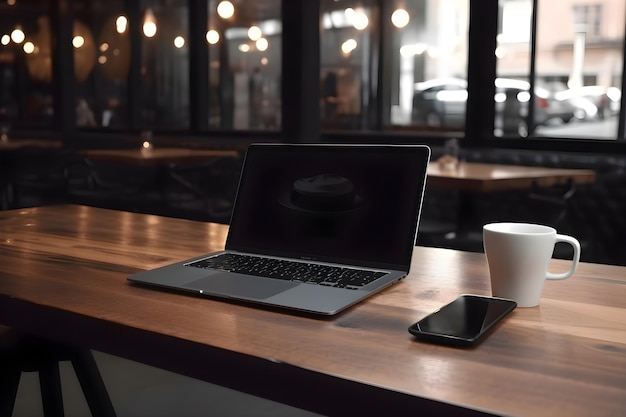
332, 276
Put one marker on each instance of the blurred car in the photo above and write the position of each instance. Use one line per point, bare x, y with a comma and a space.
441, 103
592, 101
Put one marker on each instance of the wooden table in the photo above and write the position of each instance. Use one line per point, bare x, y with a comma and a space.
156, 156
470, 178
480, 177
16, 144
64, 272
163, 159
10, 149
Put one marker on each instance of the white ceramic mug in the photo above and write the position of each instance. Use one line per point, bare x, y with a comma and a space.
518, 255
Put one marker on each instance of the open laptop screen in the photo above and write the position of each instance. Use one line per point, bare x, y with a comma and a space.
356, 204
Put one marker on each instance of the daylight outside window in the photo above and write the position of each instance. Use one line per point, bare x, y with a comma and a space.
578, 69
431, 55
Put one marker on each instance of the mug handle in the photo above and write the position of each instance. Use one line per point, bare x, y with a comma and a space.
576, 245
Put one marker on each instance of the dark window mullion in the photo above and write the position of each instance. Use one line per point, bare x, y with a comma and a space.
135, 90
385, 66
301, 71
63, 90
198, 66
530, 117
621, 128
481, 70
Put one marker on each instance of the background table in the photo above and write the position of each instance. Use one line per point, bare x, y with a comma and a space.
472, 176
168, 164
156, 156
12, 153
16, 144
472, 179
64, 277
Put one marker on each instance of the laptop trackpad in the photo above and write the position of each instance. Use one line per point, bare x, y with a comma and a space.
240, 286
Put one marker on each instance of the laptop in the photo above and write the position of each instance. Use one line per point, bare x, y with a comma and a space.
315, 228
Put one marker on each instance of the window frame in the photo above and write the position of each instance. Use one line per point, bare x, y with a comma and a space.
300, 106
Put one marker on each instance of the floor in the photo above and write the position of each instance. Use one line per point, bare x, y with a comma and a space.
140, 390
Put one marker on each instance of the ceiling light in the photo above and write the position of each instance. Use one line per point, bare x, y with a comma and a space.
179, 42
262, 44
29, 47
17, 35
254, 33
120, 24
225, 9
78, 41
360, 20
212, 36
149, 24
348, 46
400, 18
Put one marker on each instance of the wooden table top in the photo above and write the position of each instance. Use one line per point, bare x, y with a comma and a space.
472, 176
64, 272
156, 155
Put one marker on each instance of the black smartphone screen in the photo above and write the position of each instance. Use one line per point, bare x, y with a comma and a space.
464, 321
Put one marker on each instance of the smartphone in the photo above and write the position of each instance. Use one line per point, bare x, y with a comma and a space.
464, 321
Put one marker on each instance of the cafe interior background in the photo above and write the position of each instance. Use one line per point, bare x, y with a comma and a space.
514, 82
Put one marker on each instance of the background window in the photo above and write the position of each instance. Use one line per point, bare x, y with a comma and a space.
432, 71
245, 47
101, 46
164, 64
589, 16
26, 98
346, 63
578, 69
424, 64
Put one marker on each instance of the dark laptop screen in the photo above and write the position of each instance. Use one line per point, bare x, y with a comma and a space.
355, 204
